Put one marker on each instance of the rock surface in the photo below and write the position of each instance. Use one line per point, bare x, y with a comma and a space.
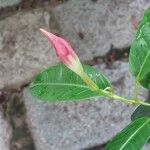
94, 25
90, 26
23, 49
146, 147
5, 3
5, 133
78, 125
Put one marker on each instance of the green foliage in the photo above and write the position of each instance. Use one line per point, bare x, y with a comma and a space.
141, 111
132, 137
59, 83
139, 61
139, 58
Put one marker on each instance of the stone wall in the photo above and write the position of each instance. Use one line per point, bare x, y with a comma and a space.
94, 28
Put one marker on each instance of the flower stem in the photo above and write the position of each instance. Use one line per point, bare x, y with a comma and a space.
92, 85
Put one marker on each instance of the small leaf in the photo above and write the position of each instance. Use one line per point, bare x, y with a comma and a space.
60, 83
132, 137
139, 58
141, 111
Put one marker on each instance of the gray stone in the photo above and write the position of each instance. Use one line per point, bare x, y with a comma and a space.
5, 3
93, 26
78, 125
23, 49
5, 132
147, 146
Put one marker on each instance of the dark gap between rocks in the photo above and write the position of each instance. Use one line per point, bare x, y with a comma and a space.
97, 147
14, 112
113, 55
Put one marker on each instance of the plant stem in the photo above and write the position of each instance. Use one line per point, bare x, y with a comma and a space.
135, 91
122, 99
93, 86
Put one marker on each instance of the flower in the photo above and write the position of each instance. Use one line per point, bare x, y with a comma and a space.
67, 55
64, 52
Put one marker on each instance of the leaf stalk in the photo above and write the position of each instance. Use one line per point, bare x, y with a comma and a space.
136, 89
123, 99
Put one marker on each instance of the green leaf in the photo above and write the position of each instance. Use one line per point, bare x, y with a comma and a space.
139, 58
132, 137
60, 83
141, 111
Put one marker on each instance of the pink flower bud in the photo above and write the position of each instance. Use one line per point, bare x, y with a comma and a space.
64, 52
67, 55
